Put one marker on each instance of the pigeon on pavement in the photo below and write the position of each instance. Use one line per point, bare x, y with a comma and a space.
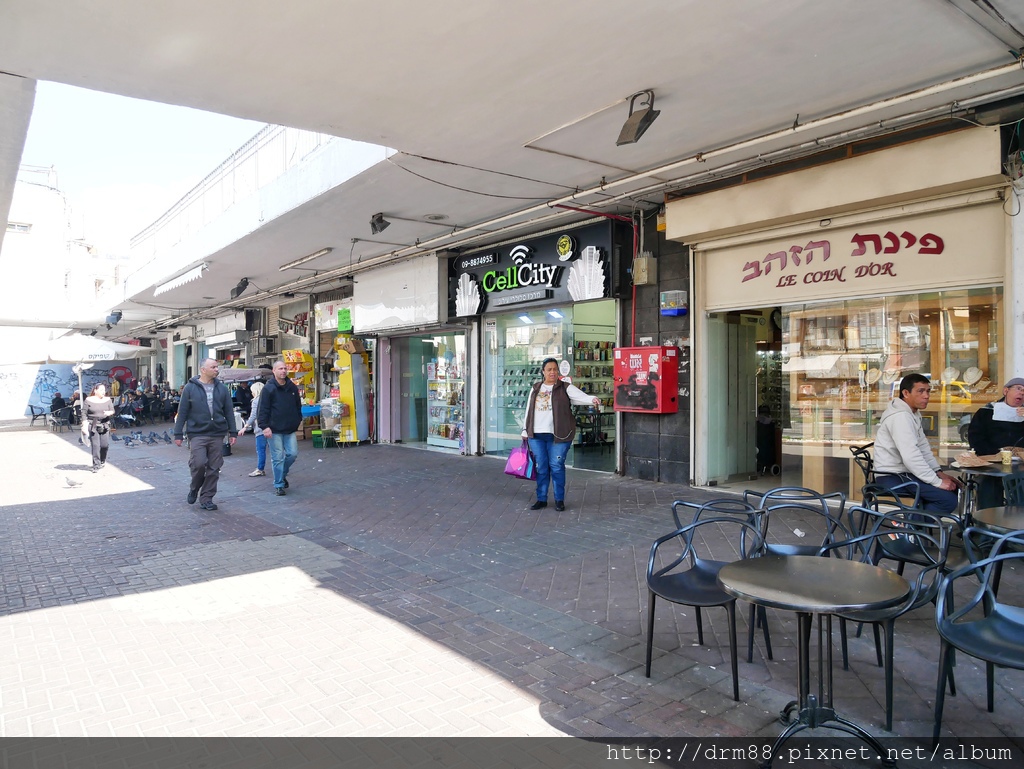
72, 482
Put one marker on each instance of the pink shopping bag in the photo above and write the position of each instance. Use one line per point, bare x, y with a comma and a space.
520, 463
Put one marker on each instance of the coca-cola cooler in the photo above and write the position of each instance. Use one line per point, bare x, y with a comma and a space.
647, 379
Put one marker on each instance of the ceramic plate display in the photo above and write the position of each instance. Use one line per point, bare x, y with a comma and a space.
949, 374
872, 376
890, 376
972, 375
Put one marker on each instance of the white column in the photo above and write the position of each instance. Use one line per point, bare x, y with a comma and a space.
170, 361
1013, 288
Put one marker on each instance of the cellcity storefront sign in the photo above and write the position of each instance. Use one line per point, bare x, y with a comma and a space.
958, 247
572, 266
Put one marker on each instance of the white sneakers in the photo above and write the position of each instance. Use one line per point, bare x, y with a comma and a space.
256, 473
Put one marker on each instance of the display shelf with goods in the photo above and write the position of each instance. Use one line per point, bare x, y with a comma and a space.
300, 370
592, 373
446, 425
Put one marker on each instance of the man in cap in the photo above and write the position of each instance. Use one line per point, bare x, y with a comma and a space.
996, 426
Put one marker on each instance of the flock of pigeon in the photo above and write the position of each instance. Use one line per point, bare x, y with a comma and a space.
135, 438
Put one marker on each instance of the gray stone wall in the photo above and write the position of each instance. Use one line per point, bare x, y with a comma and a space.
657, 446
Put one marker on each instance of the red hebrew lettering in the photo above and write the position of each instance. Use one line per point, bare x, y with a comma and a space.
780, 255
860, 240
794, 252
911, 239
756, 267
894, 241
936, 247
825, 247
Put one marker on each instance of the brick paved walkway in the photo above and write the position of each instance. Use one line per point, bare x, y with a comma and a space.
392, 592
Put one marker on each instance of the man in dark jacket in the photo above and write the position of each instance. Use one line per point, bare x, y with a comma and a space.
993, 427
280, 414
205, 413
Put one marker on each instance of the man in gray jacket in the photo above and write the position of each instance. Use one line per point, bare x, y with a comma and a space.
205, 413
902, 451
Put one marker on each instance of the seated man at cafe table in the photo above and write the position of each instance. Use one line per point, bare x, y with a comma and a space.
902, 451
997, 426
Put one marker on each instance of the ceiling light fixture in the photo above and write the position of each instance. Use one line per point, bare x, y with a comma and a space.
639, 120
304, 259
240, 288
555, 314
526, 319
378, 223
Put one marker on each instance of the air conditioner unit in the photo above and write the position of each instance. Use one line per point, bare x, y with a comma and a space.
266, 345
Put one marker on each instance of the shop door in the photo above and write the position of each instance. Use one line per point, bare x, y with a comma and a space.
410, 357
732, 405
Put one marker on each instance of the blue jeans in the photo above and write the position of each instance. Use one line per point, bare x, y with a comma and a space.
261, 451
933, 499
550, 458
284, 449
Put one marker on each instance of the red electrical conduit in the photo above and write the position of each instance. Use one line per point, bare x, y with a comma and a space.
632, 222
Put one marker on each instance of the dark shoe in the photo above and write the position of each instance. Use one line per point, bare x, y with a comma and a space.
286, 484
280, 492
538, 505
559, 506
193, 495
208, 505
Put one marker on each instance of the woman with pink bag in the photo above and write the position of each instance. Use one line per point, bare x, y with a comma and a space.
550, 429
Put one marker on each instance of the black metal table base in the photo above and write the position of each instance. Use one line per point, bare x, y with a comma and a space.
814, 712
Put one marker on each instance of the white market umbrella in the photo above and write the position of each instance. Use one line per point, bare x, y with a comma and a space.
86, 351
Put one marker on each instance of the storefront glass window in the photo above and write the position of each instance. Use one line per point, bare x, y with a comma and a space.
432, 389
516, 343
839, 365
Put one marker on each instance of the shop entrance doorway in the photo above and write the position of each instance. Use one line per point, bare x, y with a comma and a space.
428, 390
745, 403
582, 336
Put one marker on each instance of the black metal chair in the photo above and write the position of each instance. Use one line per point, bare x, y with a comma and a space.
922, 542
59, 420
996, 636
1013, 489
862, 456
691, 577
684, 512
37, 412
732, 507
781, 512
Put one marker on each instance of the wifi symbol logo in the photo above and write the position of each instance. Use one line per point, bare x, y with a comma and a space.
520, 254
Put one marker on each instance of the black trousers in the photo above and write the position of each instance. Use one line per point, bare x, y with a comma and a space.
100, 444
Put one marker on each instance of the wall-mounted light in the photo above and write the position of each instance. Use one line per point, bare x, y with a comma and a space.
639, 120
555, 314
304, 259
526, 319
240, 288
378, 223
114, 318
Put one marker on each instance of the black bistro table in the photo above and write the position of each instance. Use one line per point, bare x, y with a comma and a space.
972, 474
1002, 519
812, 585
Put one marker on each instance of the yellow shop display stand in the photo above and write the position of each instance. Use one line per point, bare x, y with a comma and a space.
350, 411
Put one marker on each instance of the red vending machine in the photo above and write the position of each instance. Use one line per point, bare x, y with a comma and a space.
647, 379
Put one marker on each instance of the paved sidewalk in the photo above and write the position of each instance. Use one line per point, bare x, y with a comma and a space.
394, 591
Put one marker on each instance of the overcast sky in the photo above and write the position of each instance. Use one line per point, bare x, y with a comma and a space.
123, 162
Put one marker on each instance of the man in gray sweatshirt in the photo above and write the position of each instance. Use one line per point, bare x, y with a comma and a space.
902, 451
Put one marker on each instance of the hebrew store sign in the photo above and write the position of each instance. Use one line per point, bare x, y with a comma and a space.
951, 248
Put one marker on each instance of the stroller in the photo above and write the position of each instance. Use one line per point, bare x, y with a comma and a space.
124, 417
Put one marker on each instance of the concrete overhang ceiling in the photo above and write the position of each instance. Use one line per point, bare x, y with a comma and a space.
525, 100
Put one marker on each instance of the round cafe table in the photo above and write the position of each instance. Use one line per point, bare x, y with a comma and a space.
971, 476
1001, 519
813, 585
